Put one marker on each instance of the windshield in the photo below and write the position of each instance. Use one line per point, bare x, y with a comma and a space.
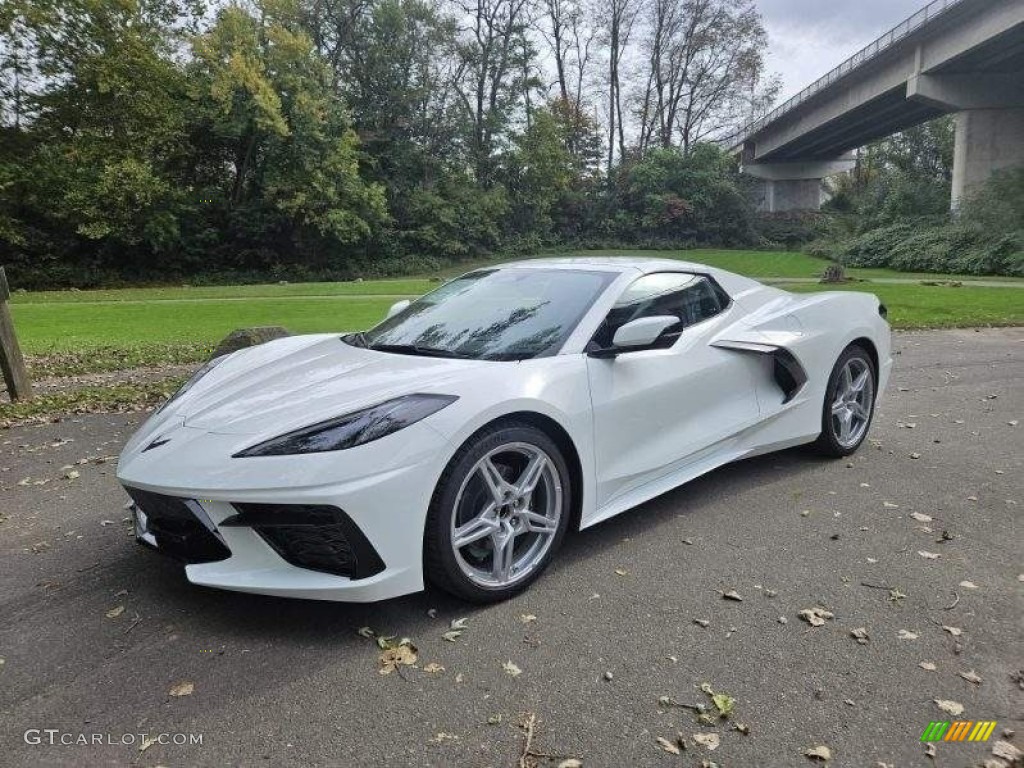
495, 314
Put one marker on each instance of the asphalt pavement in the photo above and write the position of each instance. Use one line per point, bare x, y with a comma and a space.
98, 634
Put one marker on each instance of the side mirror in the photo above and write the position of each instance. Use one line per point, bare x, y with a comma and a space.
642, 332
637, 334
397, 307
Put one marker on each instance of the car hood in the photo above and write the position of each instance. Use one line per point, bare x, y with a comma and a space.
298, 381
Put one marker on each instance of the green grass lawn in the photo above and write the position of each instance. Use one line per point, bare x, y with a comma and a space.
64, 326
150, 321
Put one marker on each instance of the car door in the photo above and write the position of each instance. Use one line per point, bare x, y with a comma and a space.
657, 408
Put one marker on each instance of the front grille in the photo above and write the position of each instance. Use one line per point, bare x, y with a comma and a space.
176, 529
318, 537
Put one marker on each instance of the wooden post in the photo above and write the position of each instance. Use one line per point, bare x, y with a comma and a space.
13, 364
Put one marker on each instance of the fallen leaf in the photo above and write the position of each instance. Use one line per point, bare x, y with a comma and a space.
494, 720
621, 572
72, 475
452, 634
815, 616
702, 622
742, 728
890, 505
968, 585
732, 594
971, 677
459, 624
113, 613
708, 740
184, 688
401, 655
955, 708
443, 736
1006, 751
146, 743
929, 750
572, 762
433, 668
927, 555
511, 669
929, 665
904, 634
724, 703
861, 634
921, 517
822, 753
954, 631
915, 455
668, 746
527, 618
365, 632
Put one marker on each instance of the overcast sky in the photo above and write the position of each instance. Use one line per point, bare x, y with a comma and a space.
807, 38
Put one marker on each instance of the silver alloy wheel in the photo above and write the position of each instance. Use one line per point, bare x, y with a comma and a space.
851, 409
506, 515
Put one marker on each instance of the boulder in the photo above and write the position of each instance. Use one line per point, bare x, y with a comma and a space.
834, 273
248, 337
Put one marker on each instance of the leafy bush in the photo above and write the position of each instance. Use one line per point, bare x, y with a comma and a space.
958, 247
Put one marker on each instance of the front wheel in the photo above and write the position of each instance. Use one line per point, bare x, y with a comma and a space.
498, 515
849, 403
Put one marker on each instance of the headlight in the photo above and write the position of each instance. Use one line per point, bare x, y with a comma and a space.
353, 429
194, 380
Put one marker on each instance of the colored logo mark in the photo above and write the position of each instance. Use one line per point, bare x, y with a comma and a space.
959, 730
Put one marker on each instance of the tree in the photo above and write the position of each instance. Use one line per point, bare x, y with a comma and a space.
550, 169
705, 65
492, 54
293, 155
618, 17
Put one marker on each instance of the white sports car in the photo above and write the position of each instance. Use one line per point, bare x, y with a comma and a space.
460, 439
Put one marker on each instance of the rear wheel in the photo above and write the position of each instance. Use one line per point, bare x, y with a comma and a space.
849, 403
498, 515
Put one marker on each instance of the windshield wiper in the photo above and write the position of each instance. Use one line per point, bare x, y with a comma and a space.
357, 339
419, 349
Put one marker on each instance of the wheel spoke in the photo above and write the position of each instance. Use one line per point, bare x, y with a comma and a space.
537, 523
838, 406
859, 411
846, 379
493, 480
531, 475
845, 426
860, 381
480, 527
503, 541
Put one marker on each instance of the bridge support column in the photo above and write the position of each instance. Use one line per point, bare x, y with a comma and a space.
987, 140
795, 186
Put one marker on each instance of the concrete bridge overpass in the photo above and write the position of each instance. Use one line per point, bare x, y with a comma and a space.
953, 56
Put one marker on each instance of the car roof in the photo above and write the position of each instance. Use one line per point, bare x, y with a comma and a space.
606, 264
732, 282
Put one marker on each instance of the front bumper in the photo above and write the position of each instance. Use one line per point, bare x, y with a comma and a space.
290, 540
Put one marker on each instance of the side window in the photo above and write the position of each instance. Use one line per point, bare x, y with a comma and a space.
690, 298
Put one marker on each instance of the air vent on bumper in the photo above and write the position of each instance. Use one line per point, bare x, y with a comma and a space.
179, 527
313, 536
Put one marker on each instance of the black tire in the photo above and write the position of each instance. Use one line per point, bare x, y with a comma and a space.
441, 566
829, 443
